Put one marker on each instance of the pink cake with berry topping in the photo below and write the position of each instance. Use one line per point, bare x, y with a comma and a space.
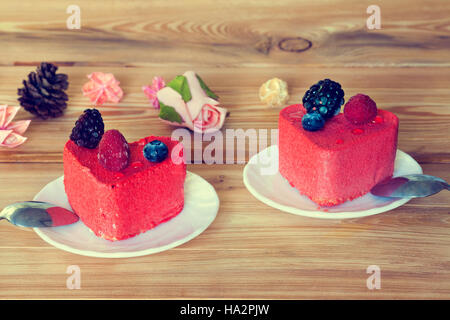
341, 158
120, 190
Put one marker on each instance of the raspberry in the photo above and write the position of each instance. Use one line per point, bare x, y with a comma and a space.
360, 109
89, 129
113, 151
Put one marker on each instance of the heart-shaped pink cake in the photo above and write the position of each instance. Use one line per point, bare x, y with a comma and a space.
339, 162
119, 205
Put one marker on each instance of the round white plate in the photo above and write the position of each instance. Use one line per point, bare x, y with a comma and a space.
262, 179
201, 204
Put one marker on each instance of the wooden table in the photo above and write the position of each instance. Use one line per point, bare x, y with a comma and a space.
251, 250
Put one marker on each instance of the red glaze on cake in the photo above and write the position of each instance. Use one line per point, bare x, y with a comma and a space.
339, 162
120, 205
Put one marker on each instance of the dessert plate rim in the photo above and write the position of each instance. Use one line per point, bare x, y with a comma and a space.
324, 212
52, 235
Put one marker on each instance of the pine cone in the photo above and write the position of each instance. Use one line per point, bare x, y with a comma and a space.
43, 94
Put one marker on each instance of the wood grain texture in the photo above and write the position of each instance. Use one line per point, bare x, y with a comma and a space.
250, 250
418, 96
229, 33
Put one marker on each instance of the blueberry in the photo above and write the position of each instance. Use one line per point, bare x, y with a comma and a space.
313, 121
155, 151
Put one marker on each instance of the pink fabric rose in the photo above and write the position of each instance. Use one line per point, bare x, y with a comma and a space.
187, 102
11, 132
210, 118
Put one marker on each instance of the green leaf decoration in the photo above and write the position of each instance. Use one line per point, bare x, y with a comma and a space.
206, 89
168, 113
180, 85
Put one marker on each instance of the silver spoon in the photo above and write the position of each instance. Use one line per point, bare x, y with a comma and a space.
37, 214
410, 186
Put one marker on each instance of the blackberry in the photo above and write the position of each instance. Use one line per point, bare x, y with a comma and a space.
89, 129
325, 97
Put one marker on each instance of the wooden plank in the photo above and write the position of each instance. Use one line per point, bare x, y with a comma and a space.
269, 253
228, 33
419, 97
235, 274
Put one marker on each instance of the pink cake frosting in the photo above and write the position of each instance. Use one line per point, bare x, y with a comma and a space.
340, 162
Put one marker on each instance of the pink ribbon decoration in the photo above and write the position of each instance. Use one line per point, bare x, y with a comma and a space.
11, 132
150, 91
102, 87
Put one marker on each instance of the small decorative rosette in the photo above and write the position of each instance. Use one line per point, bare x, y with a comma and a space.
274, 92
101, 88
187, 101
11, 132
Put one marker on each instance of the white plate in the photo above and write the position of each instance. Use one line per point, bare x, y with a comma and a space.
200, 209
273, 189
